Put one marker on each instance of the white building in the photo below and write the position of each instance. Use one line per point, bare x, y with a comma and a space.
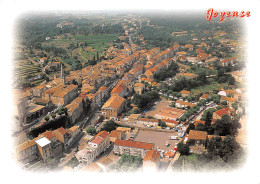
94, 148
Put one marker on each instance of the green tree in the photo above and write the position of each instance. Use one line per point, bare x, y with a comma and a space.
91, 130
53, 116
109, 126
47, 118
190, 127
183, 148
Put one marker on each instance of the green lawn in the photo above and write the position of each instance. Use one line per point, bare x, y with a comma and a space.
207, 88
95, 39
95, 42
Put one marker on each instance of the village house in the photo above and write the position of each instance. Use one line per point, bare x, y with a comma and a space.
113, 107
63, 136
124, 129
27, 152
116, 134
95, 99
56, 146
204, 96
203, 56
169, 113
211, 60
44, 147
182, 104
192, 59
185, 93
189, 47
151, 161
104, 92
197, 140
120, 90
95, 147
228, 61
138, 88
219, 113
75, 109
133, 117
197, 121
229, 100
42, 60
61, 94
134, 148
147, 122
170, 123
37, 91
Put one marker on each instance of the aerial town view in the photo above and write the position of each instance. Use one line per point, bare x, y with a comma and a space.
129, 92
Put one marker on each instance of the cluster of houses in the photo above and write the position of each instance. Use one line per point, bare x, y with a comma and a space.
102, 141
47, 145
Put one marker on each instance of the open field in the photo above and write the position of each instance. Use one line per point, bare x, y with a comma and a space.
207, 88
96, 43
158, 138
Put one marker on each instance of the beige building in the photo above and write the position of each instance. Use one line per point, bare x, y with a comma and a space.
138, 88
116, 134
185, 93
113, 107
94, 148
147, 122
197, 140
44, 147
27, 151
132, 148
61, 94
219, 113
169, 113
75, 109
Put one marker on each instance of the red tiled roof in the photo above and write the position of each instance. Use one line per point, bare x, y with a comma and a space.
185, 92
115, 133
102, 134
48, 134
197, 121
152, 155
97, 140
221, 112
211, 136
134, 144
205, 96
169, 121
62, 130
197, 135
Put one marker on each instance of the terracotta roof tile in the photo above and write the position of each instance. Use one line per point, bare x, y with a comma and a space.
134, 144
152, 155
102, 134
197, 135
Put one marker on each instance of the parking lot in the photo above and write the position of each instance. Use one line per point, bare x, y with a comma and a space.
158, 138
157, 107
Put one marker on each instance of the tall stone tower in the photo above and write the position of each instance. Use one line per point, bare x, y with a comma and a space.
62, 74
